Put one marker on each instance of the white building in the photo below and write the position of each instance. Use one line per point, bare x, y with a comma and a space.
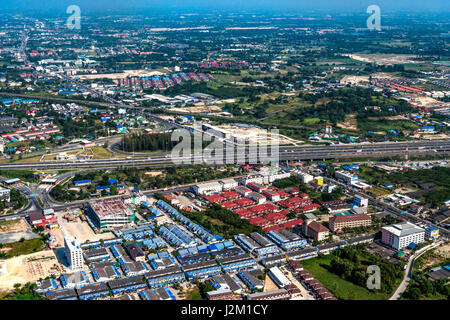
278, 277
253, 179
74, 253
401, 235
5, 194
136, 199
303, 176
279, 175
228, 184
207, 188
346, 176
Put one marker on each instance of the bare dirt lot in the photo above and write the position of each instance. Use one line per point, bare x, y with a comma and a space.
29, 268
79, 229
13, 226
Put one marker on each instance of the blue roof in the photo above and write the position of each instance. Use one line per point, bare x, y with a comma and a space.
82, 181
113, 181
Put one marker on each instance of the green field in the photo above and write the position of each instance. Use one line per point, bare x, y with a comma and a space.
23, 247
341, 288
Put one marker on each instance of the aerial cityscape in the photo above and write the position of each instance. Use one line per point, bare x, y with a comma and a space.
232, 152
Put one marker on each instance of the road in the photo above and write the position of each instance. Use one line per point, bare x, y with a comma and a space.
379, 150
409, 268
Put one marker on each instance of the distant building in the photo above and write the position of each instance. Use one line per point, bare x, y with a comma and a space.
5, 194
207, 188
431, 233
361, 202
74, 253
315, 230
338, 223
346, 176
401, 235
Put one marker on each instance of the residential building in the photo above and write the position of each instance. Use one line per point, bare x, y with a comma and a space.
74, 253
343, 221
315, 230
401, 235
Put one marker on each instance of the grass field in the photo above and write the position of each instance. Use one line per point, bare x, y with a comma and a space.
24, 247
194, 294
341, 288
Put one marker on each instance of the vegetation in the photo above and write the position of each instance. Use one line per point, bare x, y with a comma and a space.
22, 247
343, 272
25, 292
221, 221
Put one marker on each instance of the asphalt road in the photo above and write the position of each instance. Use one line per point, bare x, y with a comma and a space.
379, 150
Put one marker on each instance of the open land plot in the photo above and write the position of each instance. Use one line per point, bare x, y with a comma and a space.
341, 288
29, 268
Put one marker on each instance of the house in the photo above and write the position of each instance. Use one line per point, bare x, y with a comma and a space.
315, 230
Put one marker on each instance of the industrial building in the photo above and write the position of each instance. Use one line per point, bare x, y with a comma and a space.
109, 214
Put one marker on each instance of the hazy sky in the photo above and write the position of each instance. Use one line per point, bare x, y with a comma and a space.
98, 6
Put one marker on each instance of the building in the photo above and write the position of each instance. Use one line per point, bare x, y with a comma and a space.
74, 253
5, 194
207, 188
303, 176
135, 252
109, 214
361, 201
228, 184
315, 230
401, 235
286, 239
431, 233
346, 176
343, 221
280, 294
278, 277
224, 294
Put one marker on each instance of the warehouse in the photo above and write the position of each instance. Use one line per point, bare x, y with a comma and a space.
201, 269
278, 277
166, 276
237, 262
127, 284
93, 291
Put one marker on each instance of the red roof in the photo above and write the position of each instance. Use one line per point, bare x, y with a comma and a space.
292, 223
259, 221
275, 228
229, 205
244, 202
244, 213
216, 198
231, 195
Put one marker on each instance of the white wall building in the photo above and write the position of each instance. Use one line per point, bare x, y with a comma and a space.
400, 235
278, 277
207, 188
303, 176
74, 253
228, 184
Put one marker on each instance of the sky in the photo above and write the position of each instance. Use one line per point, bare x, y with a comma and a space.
129, 6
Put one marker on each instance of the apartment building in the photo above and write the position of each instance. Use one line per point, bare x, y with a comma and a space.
315, 230
340, 222
401, 235
74, 253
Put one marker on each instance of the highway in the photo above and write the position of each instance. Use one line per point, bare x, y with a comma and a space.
312, 152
